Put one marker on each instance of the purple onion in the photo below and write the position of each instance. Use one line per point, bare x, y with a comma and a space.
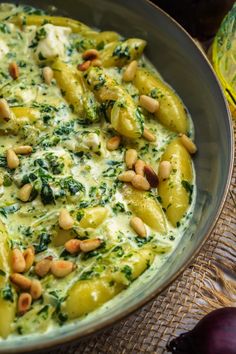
214, 334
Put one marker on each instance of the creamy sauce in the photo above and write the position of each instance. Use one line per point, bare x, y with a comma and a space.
71, 163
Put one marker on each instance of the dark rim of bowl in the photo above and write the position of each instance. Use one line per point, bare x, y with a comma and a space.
68, 338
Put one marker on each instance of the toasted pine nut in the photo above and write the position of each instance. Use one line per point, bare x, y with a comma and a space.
43, 267
148, 135
66, 222
126, 176
47, 75
5, 112
139, 167
130, 71
61, 269
141, 183
149, 103
18, 261
151, 176
164, 170
113, 143
14, 70
21, 281
36, 289
73, 246
96, 62
84, 66
24, 192
29, 258
90, 245
138, 226
24, 303
188, 143
90, 54
131, 156
12, 159
23, 150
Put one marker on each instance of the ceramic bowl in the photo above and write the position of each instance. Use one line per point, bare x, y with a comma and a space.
185, 68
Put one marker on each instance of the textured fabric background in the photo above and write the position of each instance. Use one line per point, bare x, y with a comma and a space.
180, 307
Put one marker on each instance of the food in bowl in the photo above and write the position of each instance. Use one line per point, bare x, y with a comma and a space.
97, 180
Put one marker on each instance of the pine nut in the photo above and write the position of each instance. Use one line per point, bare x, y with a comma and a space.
126, 176
138, 226
141, 183
188, 143
90, 54
90, 245
43, 267
149, 103
12, 159
61, 269
5, 112
29, 258
18, 261
73, 246
66, 222
25, 192
21, 281
164, 170
130, 71
24, 303
23, 150
14, 70
84, 66
36, 289
139, 167
151, 176
113, 143
47, 75
131, 156
148, 135
96, 62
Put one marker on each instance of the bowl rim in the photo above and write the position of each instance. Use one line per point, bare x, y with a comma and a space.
75, 337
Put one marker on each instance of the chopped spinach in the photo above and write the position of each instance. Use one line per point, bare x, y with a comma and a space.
113, 169
73, 186
121, 51
86, 275
79, 215
119, 251
65, 129
127, 270
2, 273
28, 178
43, 312
47, 195
42, 245
7, 181
118, 208
7, 293
3, 161
189, 188
143, 240
55, 165
4, 28
9, 209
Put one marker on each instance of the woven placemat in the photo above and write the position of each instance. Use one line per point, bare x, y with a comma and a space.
180, 307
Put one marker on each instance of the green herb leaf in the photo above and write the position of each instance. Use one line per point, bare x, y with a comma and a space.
7, 293
189, 188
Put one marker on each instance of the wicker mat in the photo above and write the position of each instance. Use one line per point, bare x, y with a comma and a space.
181, 306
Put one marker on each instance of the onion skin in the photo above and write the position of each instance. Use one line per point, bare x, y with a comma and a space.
214, 334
